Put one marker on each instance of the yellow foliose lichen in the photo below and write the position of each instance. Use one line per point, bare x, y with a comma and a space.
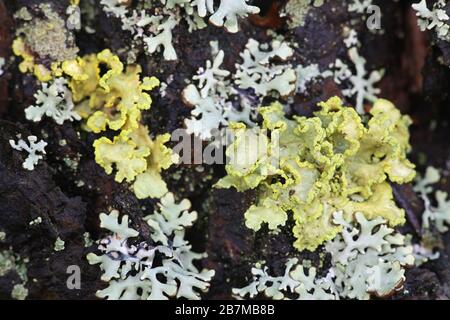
313, 167
114, 100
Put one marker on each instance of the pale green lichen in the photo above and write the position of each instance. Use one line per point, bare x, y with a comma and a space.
87, 240
294, 282
153, 22
19, 292
264, 70
10, 262
46, 35
434, 216
53, 100
297, 11
34, 148
435, 18
59, 244
315, 166
367, 259
357, 82
211, 96
157, 269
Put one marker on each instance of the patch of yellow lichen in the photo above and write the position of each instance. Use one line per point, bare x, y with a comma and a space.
314, 167
28, 64
114, 100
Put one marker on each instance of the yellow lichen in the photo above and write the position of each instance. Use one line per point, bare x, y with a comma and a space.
46, 34
28, 64
316, 166
115, 101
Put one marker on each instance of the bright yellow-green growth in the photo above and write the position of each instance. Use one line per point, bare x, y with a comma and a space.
115, 100
313, 167
42, 34
28, 64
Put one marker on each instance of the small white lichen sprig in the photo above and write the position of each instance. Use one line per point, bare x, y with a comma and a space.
305, 76
73, 12
133, 272
293, 283
368, 258
339, 71
363, 82
161, 37
437, 216
434, 19
53, 100
155, 31
34, 147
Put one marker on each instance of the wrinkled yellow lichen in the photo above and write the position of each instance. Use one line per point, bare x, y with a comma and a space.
42, 36
114, 101
316, 166
45, 32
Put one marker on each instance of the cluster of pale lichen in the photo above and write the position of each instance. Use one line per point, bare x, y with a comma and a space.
316, 166
330, 173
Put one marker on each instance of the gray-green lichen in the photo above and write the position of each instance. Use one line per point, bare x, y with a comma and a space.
36, 221
297, 10
87, 240
59, 244
46, 34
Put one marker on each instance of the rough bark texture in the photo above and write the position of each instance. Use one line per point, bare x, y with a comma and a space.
417, 78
